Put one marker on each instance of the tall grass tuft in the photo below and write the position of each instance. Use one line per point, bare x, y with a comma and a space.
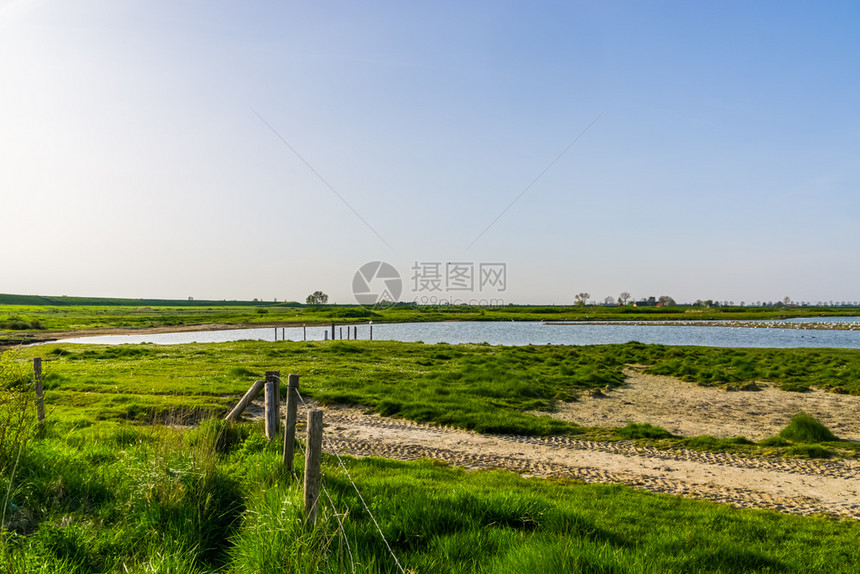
804, 428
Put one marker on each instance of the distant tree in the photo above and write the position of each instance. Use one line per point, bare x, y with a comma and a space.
317, 298
666, 301
624, 298
582, 298
787, 300
651, 300
609, 300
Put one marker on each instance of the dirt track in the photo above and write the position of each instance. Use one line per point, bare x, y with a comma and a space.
787, 485
799, 486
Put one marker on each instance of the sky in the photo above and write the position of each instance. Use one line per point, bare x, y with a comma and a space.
234, 150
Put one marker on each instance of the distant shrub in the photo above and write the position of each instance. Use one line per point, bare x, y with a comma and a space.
804, 428
15, 324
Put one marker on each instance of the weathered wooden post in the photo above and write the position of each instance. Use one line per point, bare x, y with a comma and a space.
313, 457
355, 333
332, 331
341, 332
305, 332
290, 420
371, 330
276, 334
272, 401
246, 400
40, 401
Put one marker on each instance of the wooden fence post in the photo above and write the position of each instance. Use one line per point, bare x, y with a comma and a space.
313, 457
332, 331
290, 420
273, 399
246, 400
40, 401
305, 332
371, 330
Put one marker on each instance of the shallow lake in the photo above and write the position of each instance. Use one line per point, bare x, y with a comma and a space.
520, 333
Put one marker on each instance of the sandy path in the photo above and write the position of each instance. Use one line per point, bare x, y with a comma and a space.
796, 486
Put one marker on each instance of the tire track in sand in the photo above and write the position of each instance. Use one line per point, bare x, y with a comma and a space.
795, 486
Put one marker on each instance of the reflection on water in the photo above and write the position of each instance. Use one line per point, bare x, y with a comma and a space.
521, 333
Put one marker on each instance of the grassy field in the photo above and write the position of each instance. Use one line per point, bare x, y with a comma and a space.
479, 387
98, 488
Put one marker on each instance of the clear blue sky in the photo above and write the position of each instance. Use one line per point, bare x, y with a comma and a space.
724, 163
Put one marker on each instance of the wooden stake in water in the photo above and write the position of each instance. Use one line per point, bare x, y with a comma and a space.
40, 401
312, 464
290, 421
273, 388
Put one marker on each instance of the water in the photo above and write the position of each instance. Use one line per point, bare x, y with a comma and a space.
521, 333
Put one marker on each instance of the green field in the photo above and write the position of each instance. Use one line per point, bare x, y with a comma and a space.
99, 488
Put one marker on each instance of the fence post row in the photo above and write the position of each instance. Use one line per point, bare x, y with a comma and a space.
313, 457
290, 421
40, 401
273, 399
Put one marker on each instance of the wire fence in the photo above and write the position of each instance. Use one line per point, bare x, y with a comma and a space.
340, 517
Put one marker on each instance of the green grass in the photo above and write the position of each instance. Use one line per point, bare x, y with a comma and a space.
481, 387
94, 490
152, 499
803, 428
490, 389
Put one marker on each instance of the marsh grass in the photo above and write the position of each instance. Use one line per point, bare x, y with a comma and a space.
804, 428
